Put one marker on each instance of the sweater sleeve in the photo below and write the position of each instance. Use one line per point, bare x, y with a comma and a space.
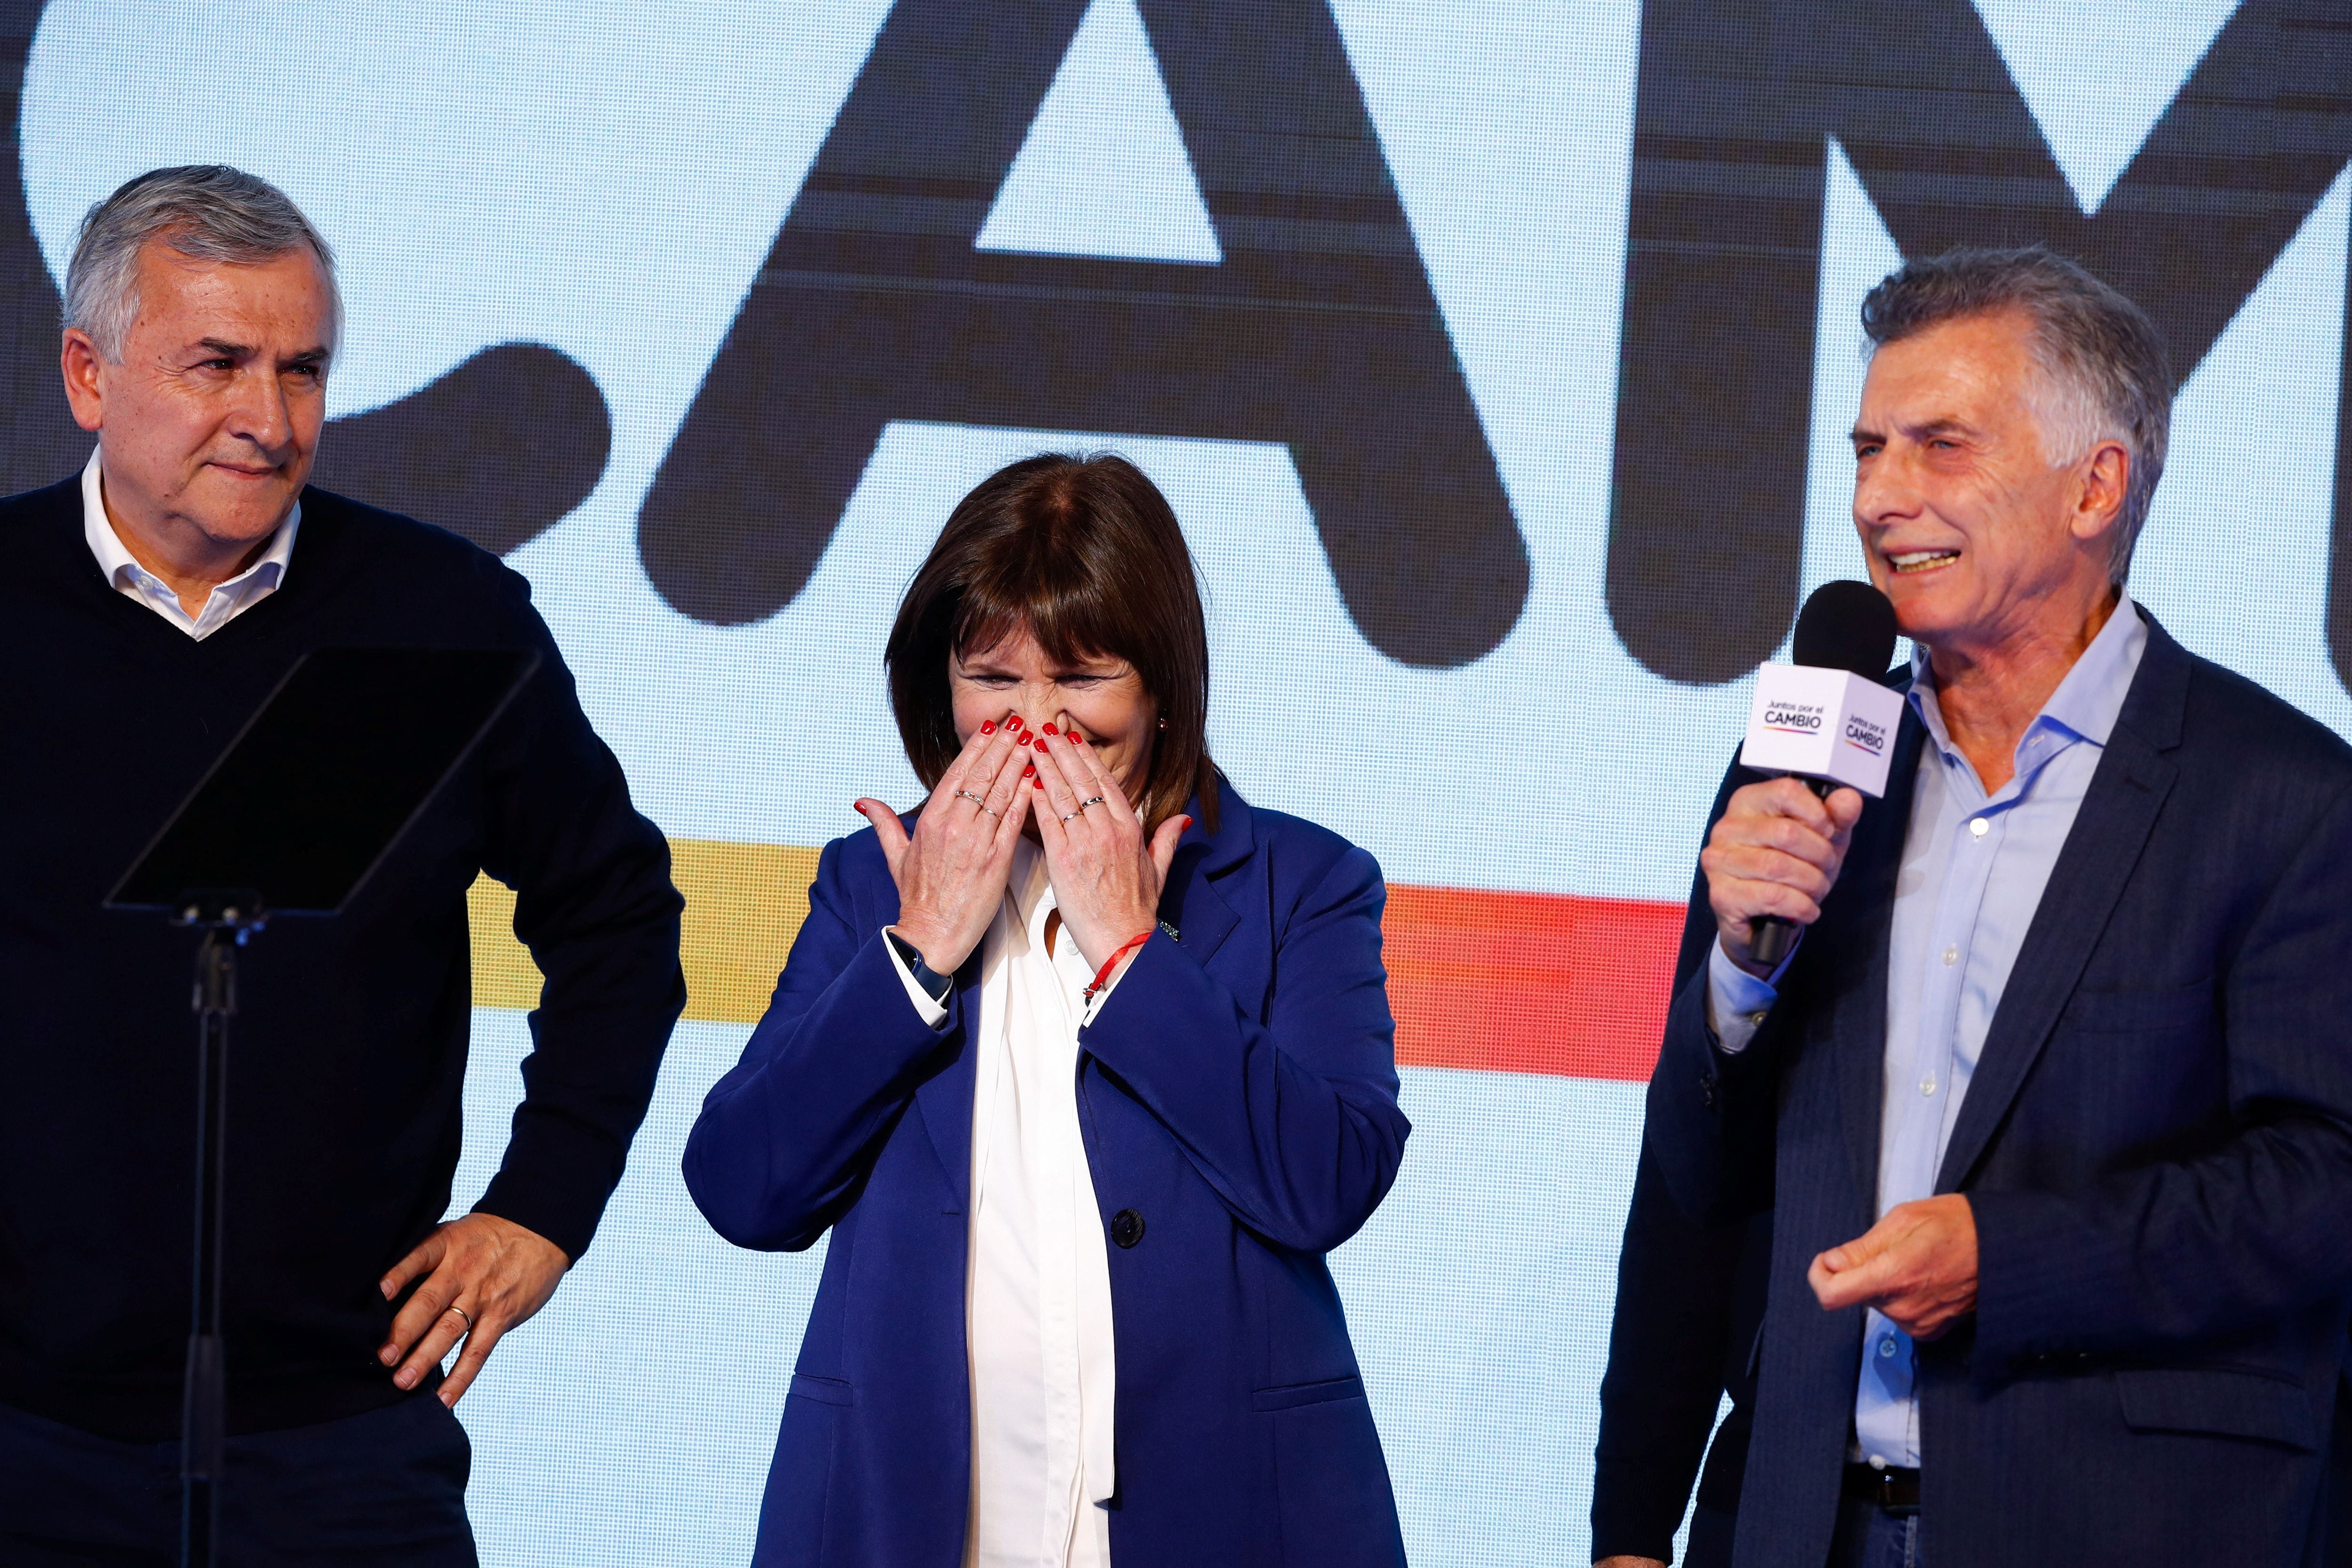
595, 905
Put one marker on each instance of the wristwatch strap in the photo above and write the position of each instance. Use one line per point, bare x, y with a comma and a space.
935, 984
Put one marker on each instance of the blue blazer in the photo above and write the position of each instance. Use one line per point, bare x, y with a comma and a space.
2157, 1145
1238, 1093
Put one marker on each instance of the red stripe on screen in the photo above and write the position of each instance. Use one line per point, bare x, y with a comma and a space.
1531, 982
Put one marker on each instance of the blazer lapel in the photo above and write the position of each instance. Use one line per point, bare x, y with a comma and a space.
1858, 1021
1198, 913
2118, 811
1190, 903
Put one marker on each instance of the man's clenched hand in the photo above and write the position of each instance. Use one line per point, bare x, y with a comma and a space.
1918, 1266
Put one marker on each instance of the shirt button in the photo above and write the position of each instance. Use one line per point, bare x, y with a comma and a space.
1885, 1351
1951, 956
1757, 1018
1980, 826
1928, 1084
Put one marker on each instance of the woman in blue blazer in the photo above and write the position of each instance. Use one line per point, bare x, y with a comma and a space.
1085, 1067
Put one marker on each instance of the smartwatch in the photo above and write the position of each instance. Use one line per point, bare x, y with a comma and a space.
933, 983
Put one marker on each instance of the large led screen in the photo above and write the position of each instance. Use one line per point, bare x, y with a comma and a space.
1498, 358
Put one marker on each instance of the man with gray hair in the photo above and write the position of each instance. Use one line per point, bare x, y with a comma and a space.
2050, 1105
156, 600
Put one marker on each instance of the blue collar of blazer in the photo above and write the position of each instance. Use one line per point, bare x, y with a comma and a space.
1190, 907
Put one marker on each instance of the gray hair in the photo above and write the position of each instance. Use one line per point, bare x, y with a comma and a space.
205, 212
2104, 374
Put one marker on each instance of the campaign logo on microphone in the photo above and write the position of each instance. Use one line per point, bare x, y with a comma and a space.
1823, 724
1862, 733
1796, 718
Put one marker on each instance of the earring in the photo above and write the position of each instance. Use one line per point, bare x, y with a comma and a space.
1163, 723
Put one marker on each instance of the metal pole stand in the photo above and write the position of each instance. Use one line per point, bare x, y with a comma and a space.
226, 919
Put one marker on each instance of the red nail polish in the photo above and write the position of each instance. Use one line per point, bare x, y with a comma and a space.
988, 726
1077, 739
1028, 770
1036, 783
1050, 730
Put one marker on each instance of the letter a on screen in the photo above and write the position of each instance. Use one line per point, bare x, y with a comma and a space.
891, 294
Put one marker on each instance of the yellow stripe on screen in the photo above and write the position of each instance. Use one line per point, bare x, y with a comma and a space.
744, 902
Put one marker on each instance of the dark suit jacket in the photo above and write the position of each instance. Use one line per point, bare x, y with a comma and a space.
1250, 1120
1690, 1302
2156, 1146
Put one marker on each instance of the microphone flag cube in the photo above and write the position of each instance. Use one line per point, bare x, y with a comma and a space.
1826, 724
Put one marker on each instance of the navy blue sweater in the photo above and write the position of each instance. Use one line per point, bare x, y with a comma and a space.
348, 1055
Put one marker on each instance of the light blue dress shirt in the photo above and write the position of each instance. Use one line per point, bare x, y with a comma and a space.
1973, 869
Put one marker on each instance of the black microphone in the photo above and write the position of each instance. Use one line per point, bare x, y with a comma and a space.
1848, 627
1824, 717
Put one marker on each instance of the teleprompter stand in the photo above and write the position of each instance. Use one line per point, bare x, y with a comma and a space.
291, 820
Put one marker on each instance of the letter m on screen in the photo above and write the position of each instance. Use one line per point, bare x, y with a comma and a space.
1735, 102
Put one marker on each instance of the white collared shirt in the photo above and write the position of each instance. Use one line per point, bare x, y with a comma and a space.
1037, 1286
124, 574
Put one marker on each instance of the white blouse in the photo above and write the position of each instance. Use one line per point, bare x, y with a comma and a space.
1037, 1290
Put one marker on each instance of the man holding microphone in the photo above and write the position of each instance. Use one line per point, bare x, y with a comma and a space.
2053, 1100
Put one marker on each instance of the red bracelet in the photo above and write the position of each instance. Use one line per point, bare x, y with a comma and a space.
1102, 976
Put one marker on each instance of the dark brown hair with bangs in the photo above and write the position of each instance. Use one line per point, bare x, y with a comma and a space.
1087, 555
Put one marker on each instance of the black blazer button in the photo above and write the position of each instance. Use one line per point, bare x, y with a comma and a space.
1127, 1227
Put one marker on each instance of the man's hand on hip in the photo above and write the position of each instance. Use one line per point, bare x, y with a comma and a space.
1918, 1266
1776, 850
483, 1276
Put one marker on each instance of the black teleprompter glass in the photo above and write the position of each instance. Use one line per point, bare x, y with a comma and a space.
323, 779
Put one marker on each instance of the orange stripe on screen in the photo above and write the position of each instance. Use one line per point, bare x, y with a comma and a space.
1533, 983
1529, 982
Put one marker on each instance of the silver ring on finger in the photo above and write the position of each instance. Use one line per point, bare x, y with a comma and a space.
979, 801
1095, 800
464, 1314
1066, 815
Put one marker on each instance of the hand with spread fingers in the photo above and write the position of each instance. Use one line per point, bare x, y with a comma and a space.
1107, 873
483, 1276
950, 872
